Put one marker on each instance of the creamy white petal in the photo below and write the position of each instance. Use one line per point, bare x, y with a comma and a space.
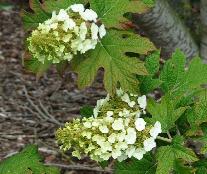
140, 124
77, 8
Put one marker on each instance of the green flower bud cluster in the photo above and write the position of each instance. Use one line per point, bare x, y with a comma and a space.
64, 35
115, 130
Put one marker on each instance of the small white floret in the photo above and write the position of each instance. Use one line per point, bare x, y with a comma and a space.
94, 31
68, 24
95, 123
102, 31
118, 124
89, 15
116, 153
156, 130
77, 8
121, 136
142, 101
121, 145
130, 151
139, 153
112, 138
122, 158
62, 16
140, 124
131, 104
109, 113
87, 45
149, 144
125, 98
87, 125
83, 31
106, 146
131, 136
104, 129
108, 119
106, 156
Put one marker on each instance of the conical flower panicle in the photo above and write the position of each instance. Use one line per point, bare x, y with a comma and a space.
115, 130
71, 31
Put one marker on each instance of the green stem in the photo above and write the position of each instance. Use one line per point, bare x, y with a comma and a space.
164, 139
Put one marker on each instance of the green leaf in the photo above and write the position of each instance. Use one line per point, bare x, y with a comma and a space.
110, 53
56, 5
37, 67
173, 71
104, 164
28, 161
86, 111
145, 166
201, 166
180, 168
61, 67
167, 156
150, 3
43, 11
149, 83
111, 12
32, 20
177, 80
198, 114
165, 112
152, 63
203, 135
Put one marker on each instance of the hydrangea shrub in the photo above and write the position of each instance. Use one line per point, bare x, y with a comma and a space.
142, 132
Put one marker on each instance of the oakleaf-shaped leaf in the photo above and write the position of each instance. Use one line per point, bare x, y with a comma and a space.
164, 112
198, 114
110, 53
149, 83
167, 156
179, 81
111, 12
32, 20
173, 71
146, 165
28, 161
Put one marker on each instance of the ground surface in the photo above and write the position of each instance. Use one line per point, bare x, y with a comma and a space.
30, 110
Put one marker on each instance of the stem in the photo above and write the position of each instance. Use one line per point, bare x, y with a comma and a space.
178, 131
169, 136
164, 139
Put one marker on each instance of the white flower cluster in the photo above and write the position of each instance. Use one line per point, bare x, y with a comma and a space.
64, 35
115, 130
